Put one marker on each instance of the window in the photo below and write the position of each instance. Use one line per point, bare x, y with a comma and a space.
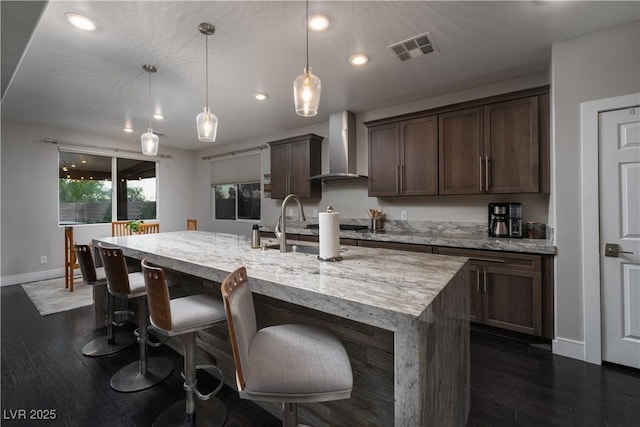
86, 190
236, 201
235, 182
137, 185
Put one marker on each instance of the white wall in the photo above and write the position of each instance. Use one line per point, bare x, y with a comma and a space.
587, 68
30, 198
351, 199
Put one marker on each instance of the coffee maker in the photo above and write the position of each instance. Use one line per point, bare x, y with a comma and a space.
505, 220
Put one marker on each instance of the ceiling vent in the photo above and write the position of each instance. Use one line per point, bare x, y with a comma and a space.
413, 47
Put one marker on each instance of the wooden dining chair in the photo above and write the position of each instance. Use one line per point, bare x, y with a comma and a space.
119, 228
149, 228
192, 224
70, 260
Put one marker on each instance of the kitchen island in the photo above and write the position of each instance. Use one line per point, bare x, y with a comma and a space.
416, 304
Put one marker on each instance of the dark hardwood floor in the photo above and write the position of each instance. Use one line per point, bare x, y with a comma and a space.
513, 383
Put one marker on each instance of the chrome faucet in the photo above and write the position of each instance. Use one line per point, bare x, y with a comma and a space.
281, 226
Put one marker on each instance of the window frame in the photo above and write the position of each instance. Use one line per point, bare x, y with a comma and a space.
236, 185
114, 155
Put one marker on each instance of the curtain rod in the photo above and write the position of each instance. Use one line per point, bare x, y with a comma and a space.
117, 150
233, 153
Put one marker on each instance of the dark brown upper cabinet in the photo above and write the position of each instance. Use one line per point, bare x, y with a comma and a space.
511, 159
293, 162
461, 150
486, 146
403, 158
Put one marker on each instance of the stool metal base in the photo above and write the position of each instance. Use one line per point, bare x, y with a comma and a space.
130, 379
209, 413
101, 347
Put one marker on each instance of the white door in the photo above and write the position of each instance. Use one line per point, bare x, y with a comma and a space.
619, 140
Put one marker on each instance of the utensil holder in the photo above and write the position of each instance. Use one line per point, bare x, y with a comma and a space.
376, 225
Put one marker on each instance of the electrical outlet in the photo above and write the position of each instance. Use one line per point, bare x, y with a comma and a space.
403, 215
290, 212
315, 213
43, 259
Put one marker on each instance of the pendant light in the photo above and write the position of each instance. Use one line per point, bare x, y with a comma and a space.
149, 140
207, 122
306, 87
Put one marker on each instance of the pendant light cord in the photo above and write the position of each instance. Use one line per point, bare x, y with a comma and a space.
306, 24
206, 70
150, 108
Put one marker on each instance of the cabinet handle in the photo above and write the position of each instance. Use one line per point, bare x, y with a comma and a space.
480, 172
397, 178
288, 184
484, 284
487, 183
478, 280
402, 179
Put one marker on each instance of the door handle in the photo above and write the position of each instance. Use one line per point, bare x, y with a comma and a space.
484, 284
478, 280
487, 183
480, 172
613, 249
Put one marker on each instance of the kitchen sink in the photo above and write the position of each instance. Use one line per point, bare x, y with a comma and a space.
303, 249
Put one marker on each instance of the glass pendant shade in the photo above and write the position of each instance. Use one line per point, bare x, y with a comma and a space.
306, 93
207, 124
150, 143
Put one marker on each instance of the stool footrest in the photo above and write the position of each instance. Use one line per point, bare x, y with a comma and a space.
157, 342
211, 369
121, 317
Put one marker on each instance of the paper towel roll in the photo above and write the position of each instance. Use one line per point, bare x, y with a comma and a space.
329, 224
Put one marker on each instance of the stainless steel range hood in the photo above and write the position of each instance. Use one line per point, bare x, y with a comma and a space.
342, 148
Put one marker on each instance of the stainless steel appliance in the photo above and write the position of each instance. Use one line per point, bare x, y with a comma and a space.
505, 220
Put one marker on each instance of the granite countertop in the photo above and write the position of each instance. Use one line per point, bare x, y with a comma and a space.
374, 286
455, 238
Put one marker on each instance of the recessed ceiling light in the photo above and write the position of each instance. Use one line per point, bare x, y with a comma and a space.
359, 59
158, 116
260, 96
84, 162
319, 22
80, 21
128, 130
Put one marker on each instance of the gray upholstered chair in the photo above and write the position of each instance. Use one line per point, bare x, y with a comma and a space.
146, 372
185, 316
284, 363
113, 341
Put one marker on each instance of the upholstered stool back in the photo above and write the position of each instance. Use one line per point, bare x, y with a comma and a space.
115, 266
87, 265
241, 319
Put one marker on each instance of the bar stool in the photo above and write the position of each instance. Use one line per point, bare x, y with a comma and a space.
146, 372
113, 341
283, 363
185, 316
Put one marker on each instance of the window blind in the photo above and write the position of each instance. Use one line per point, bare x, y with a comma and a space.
236, 170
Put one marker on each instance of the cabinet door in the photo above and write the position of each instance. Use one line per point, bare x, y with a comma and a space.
512, 299
384, 160
460, 151
511, 146
419, 153
299, 183
280, 155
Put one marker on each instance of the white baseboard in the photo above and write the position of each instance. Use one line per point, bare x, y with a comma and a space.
31, 277
568, 348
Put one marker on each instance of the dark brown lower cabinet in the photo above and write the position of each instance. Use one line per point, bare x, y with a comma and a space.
505, 289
